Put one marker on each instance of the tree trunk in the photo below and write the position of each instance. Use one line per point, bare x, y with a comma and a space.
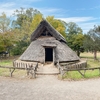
95, 55
78, 53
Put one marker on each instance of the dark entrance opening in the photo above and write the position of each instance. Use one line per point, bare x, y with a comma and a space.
48, 54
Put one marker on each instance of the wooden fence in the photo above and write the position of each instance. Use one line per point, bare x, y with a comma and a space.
75, 67
30, 67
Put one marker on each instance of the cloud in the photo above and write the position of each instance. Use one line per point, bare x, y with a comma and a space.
81, 9
32, 0
86, 23
49, 11
96, 7
77, 19
8, 8
11, 6
6, 5
86, 26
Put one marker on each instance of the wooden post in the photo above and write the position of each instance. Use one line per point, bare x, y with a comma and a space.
27, 71
11, 72
53, 55
81, 73
99, 71
84, 72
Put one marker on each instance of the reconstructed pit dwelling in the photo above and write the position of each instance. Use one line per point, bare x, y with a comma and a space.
47, 44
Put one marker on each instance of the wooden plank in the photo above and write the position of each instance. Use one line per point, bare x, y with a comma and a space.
11, 67
65, 69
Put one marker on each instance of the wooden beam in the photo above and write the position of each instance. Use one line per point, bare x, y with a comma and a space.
65, 69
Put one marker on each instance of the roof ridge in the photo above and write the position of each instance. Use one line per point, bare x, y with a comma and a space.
45, 23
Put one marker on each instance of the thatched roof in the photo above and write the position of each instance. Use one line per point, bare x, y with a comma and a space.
44, 24
36, 52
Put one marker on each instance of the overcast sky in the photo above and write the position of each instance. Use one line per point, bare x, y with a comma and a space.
85, 13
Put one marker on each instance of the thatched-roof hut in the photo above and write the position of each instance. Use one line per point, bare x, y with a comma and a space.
47, 44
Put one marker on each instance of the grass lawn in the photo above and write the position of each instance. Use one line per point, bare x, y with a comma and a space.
75, 75
90, 61
89, 55
9, 62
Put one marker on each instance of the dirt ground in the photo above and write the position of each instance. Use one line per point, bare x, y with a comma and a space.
48, 87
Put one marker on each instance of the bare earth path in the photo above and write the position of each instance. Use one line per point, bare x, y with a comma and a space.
48, 88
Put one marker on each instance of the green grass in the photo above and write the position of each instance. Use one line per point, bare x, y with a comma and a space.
75, 75
92, 74
9, 62
89, 55
93, 63
6, 63
3, 71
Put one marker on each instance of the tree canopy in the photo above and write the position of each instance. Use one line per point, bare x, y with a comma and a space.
7, 37
59, 25
75, 37
4, 23
92, 41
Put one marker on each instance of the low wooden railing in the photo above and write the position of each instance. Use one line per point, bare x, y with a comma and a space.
80, 69
30, 67
63, 68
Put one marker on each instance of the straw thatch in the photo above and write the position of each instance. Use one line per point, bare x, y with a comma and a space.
44, 24
36, 50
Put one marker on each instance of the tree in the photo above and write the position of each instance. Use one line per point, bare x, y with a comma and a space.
7, 40
7, 37
78, 43
92, 41
23, 15
35, 22
73, 28
75, 37
22, 28
4, 23
59, 25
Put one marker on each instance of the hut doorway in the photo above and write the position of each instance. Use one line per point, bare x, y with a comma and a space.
48, 54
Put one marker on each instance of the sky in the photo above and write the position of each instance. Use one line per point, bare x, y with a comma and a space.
85, 13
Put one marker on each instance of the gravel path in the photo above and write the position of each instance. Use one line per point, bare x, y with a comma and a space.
48, 88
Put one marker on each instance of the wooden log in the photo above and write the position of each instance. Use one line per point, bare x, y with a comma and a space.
11, 72
81, 69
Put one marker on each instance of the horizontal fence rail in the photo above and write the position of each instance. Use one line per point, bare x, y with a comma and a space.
79, 66
30, 67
